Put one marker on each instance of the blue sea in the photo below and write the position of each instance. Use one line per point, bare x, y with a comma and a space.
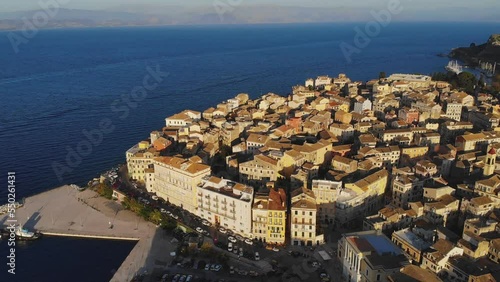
59, 259
65, 81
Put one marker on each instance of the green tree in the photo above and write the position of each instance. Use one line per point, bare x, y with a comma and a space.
132, 204
169, 224
495, 85
145, 212
467, 81
206, 249
105, 191
156, 217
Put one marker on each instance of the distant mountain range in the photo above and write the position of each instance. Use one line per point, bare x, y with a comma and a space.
143, 15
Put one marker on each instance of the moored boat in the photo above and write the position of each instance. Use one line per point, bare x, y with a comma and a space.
24, 234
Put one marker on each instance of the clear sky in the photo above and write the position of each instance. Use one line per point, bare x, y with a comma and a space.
429, 5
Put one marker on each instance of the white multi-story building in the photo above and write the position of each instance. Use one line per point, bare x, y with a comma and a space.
176, 180
183, 118
413, 80
326, 193
322, 80
362, 104
226, 203
454, 110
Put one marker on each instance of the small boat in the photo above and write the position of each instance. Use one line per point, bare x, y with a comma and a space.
453, 66
24, 234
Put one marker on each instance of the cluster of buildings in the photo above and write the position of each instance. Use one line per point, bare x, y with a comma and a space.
410, 160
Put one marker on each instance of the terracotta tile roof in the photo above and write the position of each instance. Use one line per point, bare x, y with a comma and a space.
480, 201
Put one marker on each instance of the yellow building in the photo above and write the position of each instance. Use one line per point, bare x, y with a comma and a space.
139, 158
269, 216
414, 152
316, 153
260, 170
176, 180
361, 198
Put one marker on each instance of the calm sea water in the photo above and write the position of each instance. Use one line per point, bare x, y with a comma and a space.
65, 81
65, 259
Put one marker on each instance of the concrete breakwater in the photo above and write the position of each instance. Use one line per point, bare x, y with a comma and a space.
64, 211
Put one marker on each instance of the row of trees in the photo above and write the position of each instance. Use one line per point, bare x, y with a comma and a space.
464, 80
144, 211
150, 214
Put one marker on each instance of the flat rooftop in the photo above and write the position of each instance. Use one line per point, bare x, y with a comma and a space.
372, 241
412, 239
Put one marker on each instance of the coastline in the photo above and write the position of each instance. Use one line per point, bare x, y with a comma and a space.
64, 211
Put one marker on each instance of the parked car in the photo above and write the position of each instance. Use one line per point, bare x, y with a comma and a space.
154, 198
222, 230
189, 278
231, 239
206, 233
183, 278
241, 252
162, 210
248, 241
276, 249
206, 223
239, 237
176, 278
253, 273
175, 216
231, 269
199, 230
229, 232
324, 277
207, 266
257, 256
230, 247
217, 267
